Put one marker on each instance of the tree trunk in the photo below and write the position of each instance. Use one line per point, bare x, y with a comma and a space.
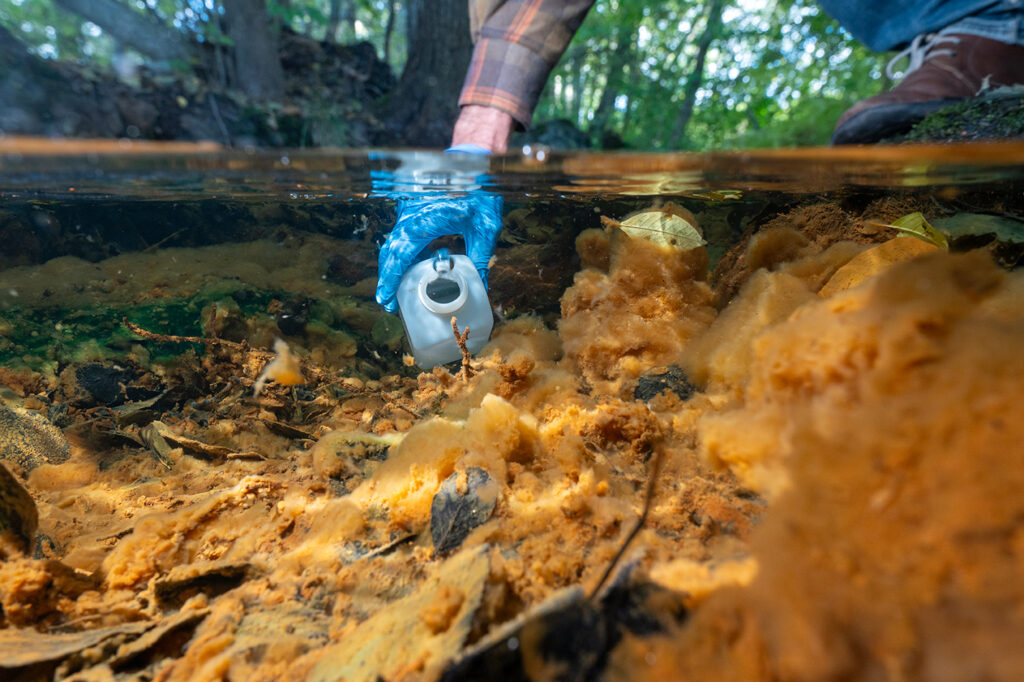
424, 105
621, 55
257, 64
343, 16
578, 61
333, 19
696, 77
134, 29
389, 28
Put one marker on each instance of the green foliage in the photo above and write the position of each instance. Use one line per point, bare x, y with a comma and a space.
778, 74
53, 33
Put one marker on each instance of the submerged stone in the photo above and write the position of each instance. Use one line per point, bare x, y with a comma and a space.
673, 379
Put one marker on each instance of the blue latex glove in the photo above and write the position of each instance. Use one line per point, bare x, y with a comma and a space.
476, 216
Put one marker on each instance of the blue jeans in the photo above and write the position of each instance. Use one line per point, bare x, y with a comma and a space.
888, 24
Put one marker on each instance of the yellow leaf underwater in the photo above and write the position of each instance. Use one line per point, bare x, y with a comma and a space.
670, 226
915, 225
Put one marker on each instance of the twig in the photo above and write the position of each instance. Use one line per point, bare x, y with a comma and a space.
652, 480
174, 338
154, 247
216, 116
212, 321
460, 339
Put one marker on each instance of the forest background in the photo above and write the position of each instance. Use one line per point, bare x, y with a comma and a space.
693, 75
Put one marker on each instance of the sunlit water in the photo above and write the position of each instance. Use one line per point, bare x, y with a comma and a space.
98, 200
308, 519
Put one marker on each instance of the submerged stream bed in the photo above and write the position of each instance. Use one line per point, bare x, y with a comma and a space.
814, 417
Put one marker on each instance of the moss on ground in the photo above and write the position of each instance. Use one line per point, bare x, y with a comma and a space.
981, 118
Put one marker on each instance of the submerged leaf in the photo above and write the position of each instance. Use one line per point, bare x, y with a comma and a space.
915, 225
665, 228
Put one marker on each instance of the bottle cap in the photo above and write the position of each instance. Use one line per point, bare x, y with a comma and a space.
442, 289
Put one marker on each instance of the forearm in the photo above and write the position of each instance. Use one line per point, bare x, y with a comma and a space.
518, 42
485, 126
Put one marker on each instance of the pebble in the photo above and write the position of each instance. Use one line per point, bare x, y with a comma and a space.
673, 379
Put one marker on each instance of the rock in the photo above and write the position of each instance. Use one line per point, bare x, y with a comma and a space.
348, 268
224, 318
111, 385
105, 384
293, 316
673, 379
18, 516
388, 332
28, 439
556, 133
453, 515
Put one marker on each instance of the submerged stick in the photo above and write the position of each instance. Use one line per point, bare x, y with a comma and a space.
174, 338
460, 339
652, 480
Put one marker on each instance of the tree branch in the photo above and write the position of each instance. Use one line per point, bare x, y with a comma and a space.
696, 77
138, 31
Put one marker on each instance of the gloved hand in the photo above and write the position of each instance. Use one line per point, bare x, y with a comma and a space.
476, 216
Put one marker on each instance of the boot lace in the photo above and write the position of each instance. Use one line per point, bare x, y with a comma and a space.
921, 49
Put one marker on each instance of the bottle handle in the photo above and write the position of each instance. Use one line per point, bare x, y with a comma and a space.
443, 262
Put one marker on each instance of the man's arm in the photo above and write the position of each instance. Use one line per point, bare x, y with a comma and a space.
485, 126
517, 44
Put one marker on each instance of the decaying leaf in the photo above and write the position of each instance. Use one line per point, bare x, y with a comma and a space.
428, 626
153, 437
670, 226
915, 225
191, 444
286, 430
455, 513
24, 647
211, 578
150, 641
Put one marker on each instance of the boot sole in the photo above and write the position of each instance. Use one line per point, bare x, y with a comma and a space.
886, 120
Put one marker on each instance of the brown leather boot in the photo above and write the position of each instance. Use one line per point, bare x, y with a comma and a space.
944, 68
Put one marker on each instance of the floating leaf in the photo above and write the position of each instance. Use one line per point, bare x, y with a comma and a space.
665, 228
915, 225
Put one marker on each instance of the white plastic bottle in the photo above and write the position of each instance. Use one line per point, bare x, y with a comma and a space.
430, 294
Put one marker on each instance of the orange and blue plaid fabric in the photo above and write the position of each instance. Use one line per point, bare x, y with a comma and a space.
517, 43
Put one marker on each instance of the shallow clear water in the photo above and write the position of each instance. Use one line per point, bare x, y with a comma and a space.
305, 522
98, 200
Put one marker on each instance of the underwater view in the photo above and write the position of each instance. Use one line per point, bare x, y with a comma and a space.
739, 416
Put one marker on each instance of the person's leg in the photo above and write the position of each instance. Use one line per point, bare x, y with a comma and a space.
888, 25
956, 48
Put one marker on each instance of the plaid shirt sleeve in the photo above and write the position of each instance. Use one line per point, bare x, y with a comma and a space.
517, 44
